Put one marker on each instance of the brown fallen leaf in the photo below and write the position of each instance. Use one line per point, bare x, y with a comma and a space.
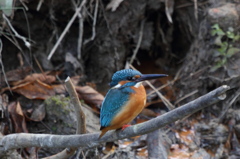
142, 153
17, 117
59, 88
34, 90
76, 79
90, 95
15, 75
37, 76
179, 151
19, 123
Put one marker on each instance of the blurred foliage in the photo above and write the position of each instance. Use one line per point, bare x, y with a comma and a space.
225, 42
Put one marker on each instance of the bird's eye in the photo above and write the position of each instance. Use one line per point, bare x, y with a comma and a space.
130, 78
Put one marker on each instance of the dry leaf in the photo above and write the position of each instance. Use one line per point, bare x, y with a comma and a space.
34, 90
18, 119
19, 123
90, 95
142, 153
59, 89
75, 79
37, 76
179, 151
15, 75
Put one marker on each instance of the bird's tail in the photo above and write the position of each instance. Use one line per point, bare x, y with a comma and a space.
104, 130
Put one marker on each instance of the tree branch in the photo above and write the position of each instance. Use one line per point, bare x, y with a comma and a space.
81, 121
21, 140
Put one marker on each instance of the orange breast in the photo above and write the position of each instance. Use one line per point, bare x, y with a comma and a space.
131, 109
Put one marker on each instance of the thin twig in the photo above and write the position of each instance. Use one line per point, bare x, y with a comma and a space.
94, 24
27, 44
39, 4
81, 123
21, 140
196, 73
3, 71
165, 100
66, 29
15, 42
169, 82
40, 67
28, 28
139, 42
168, 10
80, 36
190, 4
186, 96
196, 9
80, 32
161, 87
24, 5
229, 105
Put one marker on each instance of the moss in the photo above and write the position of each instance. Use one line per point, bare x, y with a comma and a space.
60, 115
57, 100
57, 105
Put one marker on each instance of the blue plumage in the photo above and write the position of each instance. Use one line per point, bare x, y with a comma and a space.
116, 98
112, 104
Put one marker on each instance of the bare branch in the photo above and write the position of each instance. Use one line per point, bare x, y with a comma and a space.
14, 141
27, 44
196, 9
139, 42
39, 4
66, 29
81, 123
1, 64
94, 24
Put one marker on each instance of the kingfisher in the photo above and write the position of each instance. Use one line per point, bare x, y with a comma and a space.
125, 100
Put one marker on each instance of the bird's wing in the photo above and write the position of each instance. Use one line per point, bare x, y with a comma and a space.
112, 104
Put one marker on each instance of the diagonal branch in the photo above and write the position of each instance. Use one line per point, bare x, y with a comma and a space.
81, 121
14, 141
66, 29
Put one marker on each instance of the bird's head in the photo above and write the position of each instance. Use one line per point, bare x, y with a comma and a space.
131, 77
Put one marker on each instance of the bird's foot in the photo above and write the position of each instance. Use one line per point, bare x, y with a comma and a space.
125, 126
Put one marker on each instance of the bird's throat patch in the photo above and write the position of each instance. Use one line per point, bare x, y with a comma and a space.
138, 84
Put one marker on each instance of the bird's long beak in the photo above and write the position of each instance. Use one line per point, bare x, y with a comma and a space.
150, 76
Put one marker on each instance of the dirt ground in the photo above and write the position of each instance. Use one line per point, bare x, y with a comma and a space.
195, 42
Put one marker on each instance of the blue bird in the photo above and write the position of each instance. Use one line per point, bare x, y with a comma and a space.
125, 100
